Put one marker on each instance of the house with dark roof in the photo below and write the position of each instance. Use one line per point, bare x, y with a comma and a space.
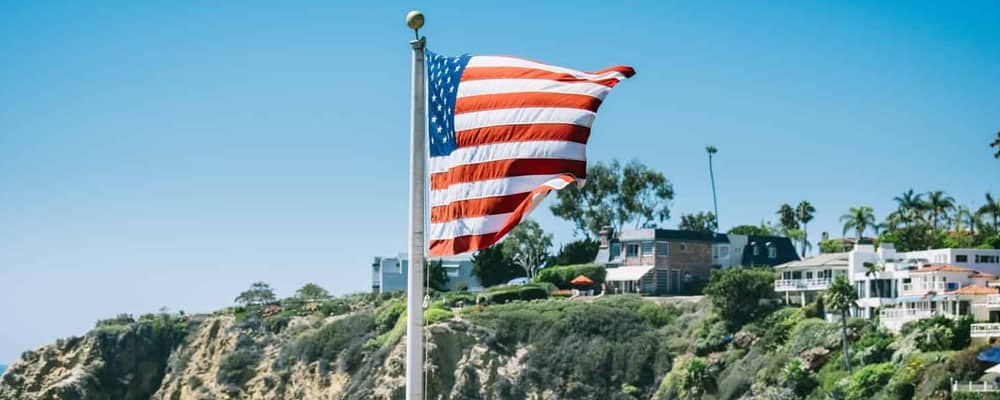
664, 261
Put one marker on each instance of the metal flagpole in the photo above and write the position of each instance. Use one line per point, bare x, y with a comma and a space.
415, 273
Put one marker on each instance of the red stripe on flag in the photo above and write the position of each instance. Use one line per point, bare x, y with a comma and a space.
526, 99
462, 244
481, 73
507, 168
477, 207
522, 133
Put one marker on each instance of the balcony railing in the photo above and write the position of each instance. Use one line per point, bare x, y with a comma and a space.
993, 300
802, 284
979, 387
908, 314
985, 330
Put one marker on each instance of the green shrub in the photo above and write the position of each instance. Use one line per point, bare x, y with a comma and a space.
452, 299
562, 275
387, 315
935, 338
869, 380
736, 293
506, 294
239, 367
697, 380
435, 315
797, 377
327, 342
655, 314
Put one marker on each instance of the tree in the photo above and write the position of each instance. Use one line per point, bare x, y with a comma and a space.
911, 206
799, 235
582, 251
939, 204
697, 380
751, 230
996, 143
436, 276
859, 219
964, 217
711, 150
736, 293
871, 271
786, 218
614, 196
259, 294
492, 267
841, 297
804, 213
312, 292
528, 246
992, 207
700, 222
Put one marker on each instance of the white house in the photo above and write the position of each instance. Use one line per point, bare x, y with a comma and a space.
801, 281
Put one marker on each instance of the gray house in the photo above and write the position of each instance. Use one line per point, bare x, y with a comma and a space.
389, 273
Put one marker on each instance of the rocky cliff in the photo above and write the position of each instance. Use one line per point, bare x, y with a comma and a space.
355, 355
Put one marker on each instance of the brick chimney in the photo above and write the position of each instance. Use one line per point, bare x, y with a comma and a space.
605, 235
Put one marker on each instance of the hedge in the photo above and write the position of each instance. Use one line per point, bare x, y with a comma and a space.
506, 294
562, 275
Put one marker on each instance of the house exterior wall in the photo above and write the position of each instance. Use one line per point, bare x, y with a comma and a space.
389, 273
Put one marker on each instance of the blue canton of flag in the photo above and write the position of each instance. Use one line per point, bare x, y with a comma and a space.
443, 73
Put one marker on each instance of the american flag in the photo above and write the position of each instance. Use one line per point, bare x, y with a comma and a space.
504, 132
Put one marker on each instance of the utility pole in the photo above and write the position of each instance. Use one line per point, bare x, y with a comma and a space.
715, 203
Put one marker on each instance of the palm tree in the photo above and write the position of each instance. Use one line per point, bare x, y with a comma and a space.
786, 218
711, 150
804, 213
858, 218
996, 143
911, 206
964, 215
992, 207
939, 204
841, 297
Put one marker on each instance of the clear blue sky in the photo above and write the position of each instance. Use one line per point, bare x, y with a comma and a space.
163, 154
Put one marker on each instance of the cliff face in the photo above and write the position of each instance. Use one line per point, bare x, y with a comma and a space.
220, 359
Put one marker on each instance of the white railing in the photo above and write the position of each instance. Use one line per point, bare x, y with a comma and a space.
993, 300
908, 314
801, 284
907, 287
985, 330
979, 387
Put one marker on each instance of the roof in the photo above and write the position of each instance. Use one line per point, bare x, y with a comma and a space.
975, 289
983, 275
632, 273
822, 260
785, 250
673, 234
943, 268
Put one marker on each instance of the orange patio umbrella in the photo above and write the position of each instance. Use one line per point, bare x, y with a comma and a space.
582, 280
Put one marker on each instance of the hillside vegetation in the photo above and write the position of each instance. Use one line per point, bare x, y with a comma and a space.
735, 344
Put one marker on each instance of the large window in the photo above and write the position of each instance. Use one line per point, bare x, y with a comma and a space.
961, 258
662, 249
984, 259
772, 252
756, 251
616, 250
647, 248
632, 250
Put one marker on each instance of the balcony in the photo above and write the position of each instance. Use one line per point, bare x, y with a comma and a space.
894, 318
975, 387
993, 300
787, 285
985, 330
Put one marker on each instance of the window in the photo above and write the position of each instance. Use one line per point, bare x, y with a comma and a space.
616, 250
772, 252
724, 252
961, 258
756, 251
662, 249
647, 248
632, 250
984, 259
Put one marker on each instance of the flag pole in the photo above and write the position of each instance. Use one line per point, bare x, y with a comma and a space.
415, 272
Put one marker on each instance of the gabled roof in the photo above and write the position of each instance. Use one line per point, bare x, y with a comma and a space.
975, 289
785, 250
943, 268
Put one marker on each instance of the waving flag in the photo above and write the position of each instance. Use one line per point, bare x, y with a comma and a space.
504, 132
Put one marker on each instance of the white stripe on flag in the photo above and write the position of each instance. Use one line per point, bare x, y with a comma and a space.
500, 61
547, 149
489, 188
524, 116
499, 86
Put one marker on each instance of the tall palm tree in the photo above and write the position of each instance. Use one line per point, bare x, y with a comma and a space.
711, 150
992, 207
911, 206
939, 204
804, 212
841, 297
963, 216
859, 219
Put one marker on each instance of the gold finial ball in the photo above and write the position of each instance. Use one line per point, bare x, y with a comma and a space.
415, 19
